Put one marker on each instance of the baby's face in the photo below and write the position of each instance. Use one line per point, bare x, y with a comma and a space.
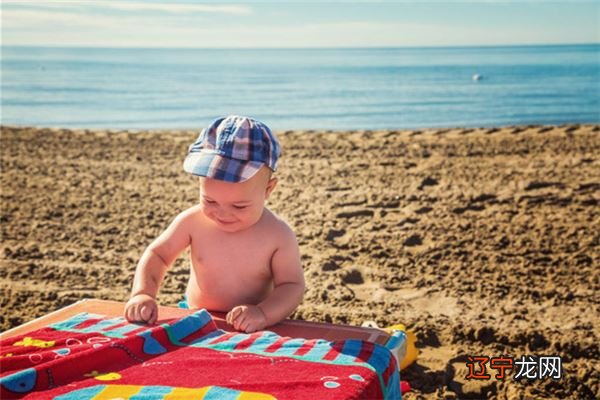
236, 206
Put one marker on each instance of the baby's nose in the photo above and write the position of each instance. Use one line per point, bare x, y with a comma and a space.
222, 213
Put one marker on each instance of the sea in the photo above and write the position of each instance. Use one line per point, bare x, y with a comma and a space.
331, 89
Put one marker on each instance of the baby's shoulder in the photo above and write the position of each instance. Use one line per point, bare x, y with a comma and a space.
278, 227
190, 217
190, 213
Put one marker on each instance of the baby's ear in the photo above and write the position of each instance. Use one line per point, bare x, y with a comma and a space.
270, 186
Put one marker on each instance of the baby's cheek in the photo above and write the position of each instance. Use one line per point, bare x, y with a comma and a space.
209, 211
206, 207
254, 215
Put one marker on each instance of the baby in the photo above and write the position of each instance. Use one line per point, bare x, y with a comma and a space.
245, 260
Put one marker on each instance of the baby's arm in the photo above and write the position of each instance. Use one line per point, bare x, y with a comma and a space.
151, 269
288, 290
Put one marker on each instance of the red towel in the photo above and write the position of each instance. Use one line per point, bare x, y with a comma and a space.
92, 357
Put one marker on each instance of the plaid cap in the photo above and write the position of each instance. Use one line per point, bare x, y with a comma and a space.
232, 149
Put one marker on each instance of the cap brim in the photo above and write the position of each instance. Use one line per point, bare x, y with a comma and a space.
215, 166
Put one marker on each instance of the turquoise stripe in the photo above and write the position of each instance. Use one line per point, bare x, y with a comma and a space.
70, 324
200, 342
317, 353
122, 331
221, 393
104, 324
87, 393
350, 351
231, 343
396, 339
152, 393
352, 347
380, 358
151, 345
20, 382
74, 321
188, 325
265, 340
392, 391
289, 347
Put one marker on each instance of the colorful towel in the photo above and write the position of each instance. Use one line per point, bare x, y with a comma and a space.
94, 357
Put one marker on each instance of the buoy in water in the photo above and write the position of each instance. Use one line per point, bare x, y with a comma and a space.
477, 77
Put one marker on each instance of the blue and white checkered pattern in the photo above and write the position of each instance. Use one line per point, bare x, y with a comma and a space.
232, 149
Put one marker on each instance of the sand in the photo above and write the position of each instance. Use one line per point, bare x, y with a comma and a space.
483, 241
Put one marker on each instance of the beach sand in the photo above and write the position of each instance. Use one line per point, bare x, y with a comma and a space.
484, 241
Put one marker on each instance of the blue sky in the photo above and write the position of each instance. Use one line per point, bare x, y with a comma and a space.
145, 23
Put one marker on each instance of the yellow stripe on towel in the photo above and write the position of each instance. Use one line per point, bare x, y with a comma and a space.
186, 393
117, 391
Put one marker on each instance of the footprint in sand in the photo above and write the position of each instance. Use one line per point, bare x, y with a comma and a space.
429, 181
423, 210
413, 240
353, 277
355, 213
533, 185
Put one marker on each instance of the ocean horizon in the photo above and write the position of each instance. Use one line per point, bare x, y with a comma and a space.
294, 88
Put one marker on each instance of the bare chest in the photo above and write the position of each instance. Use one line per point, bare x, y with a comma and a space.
238, 258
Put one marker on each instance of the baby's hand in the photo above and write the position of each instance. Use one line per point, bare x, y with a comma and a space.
141, 308
247, 318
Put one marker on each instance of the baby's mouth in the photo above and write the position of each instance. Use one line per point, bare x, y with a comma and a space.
223, 222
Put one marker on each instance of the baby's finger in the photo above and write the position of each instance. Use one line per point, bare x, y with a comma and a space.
127, 314
145, 313
153, 316
135, 313
239, 321
248, 327
233, 315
